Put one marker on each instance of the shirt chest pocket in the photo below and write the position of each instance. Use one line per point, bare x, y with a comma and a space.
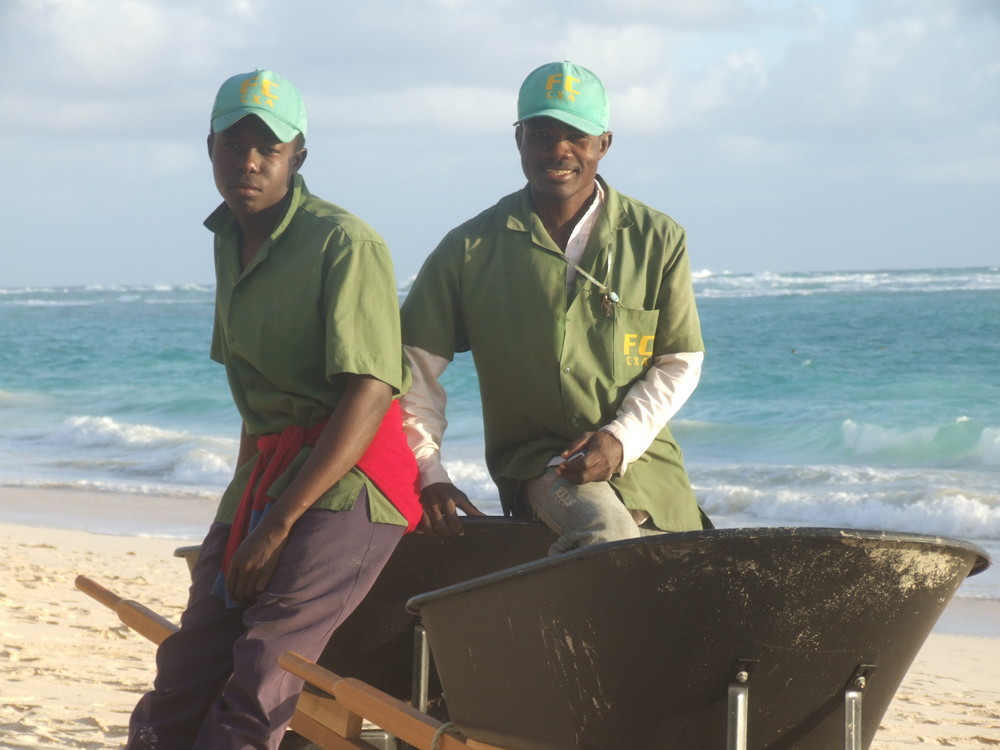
634, 334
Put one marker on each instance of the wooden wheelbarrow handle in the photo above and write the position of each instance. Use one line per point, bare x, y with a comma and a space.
326, 721
398, 718
140, 618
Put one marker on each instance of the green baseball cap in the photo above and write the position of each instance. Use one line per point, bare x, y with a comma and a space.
264, 93
567, 92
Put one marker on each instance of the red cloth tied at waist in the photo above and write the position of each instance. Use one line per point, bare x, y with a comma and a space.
388, 462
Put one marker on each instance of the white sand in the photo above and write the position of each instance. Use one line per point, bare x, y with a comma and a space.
71, 673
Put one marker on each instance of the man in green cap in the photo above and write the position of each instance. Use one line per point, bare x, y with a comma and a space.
307, 326
576, 302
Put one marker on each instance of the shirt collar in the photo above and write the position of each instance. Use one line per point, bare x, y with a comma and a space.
581, 232
222, 218
521, 214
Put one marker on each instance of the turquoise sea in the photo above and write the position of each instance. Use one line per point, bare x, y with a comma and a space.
850, 399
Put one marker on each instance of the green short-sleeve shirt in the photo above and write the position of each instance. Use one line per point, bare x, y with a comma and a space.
319, 299
553, 366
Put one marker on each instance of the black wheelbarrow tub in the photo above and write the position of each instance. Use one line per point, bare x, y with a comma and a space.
639, 644
376, 642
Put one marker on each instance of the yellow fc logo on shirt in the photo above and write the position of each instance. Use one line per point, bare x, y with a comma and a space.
637, 349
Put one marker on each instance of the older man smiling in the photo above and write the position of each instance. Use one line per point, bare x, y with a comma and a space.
576, 302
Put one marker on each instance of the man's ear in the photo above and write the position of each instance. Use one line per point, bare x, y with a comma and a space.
518, 136
210, 140
605, 144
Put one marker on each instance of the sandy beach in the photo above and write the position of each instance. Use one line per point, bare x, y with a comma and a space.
71, 672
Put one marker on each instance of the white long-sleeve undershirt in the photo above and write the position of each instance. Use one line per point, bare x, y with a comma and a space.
649, 404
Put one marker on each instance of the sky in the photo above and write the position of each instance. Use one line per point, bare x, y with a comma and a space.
784, 136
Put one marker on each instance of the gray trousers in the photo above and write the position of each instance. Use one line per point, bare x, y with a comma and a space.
218, 684
582, 514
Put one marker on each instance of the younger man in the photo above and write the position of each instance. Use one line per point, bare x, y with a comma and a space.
307, 326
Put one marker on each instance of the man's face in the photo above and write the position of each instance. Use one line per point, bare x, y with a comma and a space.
559, 161
252, 169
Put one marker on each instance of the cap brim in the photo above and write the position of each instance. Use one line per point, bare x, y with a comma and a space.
282, 130
580, 123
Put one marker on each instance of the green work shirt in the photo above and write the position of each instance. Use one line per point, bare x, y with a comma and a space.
552, 367
317, 300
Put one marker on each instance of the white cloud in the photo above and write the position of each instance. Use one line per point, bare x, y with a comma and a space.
464, 109
109, 45
817, 99
704, 15
109, 157
983, 171
751, 151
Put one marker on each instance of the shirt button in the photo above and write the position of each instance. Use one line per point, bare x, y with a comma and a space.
567, 370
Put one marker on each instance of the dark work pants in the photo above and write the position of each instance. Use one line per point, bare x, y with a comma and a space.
218, 684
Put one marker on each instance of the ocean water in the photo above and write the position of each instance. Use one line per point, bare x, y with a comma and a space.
864, 400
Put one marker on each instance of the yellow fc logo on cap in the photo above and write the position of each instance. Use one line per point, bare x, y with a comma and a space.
566, 91
265, 93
